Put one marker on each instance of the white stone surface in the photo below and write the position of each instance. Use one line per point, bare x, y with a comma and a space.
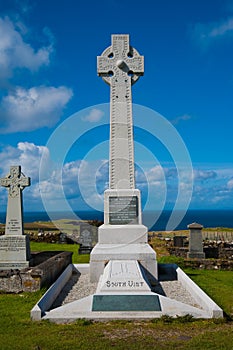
121, 276
102, 253
120, 65
122, 234
199, 295
51, 294
80, 307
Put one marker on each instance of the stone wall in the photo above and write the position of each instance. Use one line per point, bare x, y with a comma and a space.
45, 268
217, 258
209, 264
211, 252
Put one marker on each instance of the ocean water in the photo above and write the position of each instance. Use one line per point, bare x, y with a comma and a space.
154, 221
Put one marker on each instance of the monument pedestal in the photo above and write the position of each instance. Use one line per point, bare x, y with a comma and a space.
14, 251
125, 241
103, 253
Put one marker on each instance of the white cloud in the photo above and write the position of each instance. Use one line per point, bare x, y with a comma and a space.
37, 107
26, 109
204, 174
220, 29
27, 155
16, 53
155, 174
181, 118
94, 116
206, 33
230, 184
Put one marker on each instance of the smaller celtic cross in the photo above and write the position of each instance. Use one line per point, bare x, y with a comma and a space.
16, 181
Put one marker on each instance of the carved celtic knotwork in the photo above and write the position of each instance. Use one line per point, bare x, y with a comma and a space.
120, 66
16, 181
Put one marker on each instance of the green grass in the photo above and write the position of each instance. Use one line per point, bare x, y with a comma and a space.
18, 332
217, 284
76, 258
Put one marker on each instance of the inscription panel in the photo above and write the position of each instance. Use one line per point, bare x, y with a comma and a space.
12, 244
123, 210
13, 226
126, 303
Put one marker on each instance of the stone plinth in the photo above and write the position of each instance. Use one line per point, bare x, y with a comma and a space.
14, 252
125, 238
195, 241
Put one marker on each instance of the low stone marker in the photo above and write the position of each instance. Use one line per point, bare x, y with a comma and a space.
195, 241
86, 238
178, 241
14, 245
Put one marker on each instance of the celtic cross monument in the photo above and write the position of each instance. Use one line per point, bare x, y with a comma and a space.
122, 237
121, 66
14, 245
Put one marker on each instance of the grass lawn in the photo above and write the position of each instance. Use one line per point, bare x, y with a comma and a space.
76, 258
218, 285
18, 332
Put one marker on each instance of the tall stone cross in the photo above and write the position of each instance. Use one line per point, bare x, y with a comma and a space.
16, 181
120, 66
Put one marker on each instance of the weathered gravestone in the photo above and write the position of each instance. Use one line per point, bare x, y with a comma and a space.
122, 236
178, 241
14, 245
85, 239
195, 241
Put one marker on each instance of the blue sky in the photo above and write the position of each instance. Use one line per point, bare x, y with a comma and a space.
48, 73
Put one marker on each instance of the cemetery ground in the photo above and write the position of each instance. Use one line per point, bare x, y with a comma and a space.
18, 332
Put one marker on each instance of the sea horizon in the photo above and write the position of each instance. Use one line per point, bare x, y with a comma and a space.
152, 219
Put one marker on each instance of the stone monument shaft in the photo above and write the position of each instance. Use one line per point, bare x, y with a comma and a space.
120, 65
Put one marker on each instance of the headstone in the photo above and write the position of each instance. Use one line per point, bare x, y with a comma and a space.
63, 238
85, 239
122, 236
178, 241
195, 241
14, 245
